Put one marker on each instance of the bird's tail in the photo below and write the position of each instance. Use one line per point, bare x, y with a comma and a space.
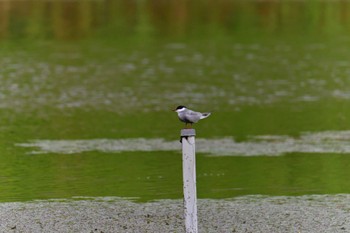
205, 115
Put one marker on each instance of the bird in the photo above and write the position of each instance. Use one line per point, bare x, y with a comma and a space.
189, 116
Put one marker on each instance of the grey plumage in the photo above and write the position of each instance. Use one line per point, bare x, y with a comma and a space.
188, 116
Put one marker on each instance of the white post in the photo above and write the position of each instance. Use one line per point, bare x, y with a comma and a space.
189, 179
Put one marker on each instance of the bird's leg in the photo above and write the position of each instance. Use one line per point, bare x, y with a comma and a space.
188, 126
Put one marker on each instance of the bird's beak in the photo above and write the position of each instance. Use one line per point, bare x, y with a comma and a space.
173, 110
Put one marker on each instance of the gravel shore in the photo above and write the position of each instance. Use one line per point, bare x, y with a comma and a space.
312, 213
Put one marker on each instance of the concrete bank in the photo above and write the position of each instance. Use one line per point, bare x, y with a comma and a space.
312, 213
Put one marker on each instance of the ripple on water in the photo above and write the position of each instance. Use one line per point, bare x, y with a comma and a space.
263, 145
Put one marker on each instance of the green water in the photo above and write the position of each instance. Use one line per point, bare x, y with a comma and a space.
115, 69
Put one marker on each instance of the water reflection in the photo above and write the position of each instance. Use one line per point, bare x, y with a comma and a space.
76, 19
265, 145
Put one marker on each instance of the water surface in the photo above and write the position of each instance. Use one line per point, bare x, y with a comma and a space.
86, 89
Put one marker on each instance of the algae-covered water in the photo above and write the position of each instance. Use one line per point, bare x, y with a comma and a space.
86, 89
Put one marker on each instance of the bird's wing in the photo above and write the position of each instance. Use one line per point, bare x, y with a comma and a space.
193, 116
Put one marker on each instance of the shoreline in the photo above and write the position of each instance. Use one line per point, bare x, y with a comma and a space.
309, 213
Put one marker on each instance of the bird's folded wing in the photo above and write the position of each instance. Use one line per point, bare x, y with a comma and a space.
193, 116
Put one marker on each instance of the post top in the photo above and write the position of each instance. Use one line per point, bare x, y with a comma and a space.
188, 132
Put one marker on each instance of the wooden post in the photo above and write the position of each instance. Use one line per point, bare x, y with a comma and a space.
189, 179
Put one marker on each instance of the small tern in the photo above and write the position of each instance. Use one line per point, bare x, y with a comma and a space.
188, 116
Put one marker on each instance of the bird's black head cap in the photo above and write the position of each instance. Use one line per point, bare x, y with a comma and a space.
180, 106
